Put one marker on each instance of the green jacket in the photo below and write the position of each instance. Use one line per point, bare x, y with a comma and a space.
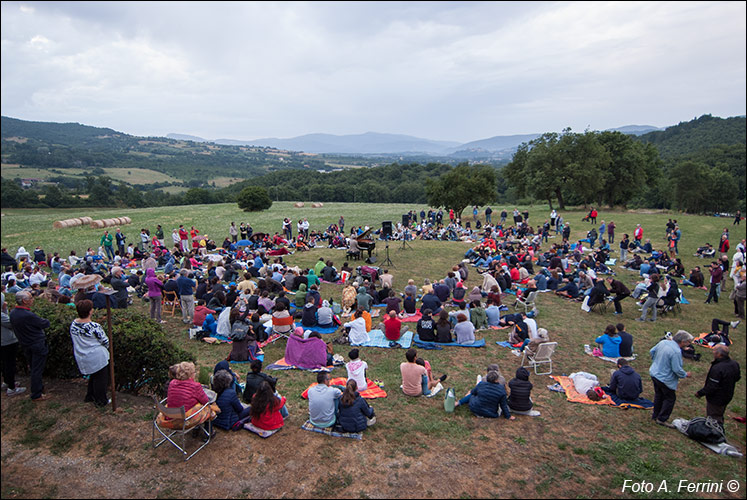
106, 240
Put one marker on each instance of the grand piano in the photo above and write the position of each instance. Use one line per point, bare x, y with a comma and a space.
365, 242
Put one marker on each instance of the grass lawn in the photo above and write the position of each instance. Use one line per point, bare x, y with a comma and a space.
415, 449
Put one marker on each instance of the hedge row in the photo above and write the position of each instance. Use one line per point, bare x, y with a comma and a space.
142, 351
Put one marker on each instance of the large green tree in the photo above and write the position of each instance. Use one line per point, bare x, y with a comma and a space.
462, 186
254, 198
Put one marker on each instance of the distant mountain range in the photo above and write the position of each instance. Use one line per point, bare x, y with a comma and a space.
378, 143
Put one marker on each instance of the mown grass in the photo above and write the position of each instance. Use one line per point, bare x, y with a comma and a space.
570, 450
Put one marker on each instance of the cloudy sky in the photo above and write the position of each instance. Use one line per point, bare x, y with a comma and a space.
456, 71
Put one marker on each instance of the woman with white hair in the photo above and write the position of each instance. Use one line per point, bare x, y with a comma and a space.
666, 371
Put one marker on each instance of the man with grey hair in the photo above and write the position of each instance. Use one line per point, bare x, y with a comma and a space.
186, 290
29, 329
719, 385
666, 370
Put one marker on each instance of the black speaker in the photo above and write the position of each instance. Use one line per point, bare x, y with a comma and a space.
405, 220
386, 229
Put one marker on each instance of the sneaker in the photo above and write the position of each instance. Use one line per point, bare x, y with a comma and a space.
163, 322
734, 324
4, 386
639, 319
443, 377
43, 397
479, 379
16, 391
435, 390
664, 424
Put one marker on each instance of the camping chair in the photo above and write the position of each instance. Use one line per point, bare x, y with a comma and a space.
528, 302
344, 276
543, 356
289, 321
601, 307
187, 425
170, 299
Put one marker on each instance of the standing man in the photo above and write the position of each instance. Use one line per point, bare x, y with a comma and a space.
474, 213
29, 329
666, 370
120, 241
186, 291
144, 240
106, 242
305, 226
717, 273
341, 224
677, 237
233, 232
611, 232
488, 215
638, 235
719, 384
621, 292
159, 235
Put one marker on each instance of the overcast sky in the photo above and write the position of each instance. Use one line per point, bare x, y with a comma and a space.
456, 71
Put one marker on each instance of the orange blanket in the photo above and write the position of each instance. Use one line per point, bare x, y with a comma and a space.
574, 397
373, 391
704, 344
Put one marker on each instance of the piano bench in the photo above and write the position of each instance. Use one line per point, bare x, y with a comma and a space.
353, 255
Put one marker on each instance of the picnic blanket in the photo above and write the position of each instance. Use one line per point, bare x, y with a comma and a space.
272, 338
477, 343
260, 357
281, 364
217, 339
589, 351
498, 327
722, 449
308, 426
331, 329
707, 345
338, 282
642, 403
260, 432
412, 319
503, 343
378, 339
572, 394
373, 391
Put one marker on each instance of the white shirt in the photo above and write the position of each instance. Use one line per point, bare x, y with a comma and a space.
532, 325
357, 371
358, 333
583, 381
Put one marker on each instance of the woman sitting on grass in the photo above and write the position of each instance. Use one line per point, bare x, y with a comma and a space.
232, 411
355, 413
488, 398
265, 409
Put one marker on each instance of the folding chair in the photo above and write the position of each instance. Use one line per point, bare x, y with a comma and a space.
187, 425
170, 299
601, 307
543, 356
528, 302
289, 321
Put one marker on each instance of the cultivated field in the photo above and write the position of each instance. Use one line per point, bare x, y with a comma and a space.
415, 449
129, 175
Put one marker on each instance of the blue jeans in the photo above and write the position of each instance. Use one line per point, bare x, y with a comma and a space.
109, 252
465, 399
426, 390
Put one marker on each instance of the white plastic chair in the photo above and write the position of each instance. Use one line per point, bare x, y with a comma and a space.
542, 357
529, 302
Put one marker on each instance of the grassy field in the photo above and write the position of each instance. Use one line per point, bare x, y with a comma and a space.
415, 449
131, 176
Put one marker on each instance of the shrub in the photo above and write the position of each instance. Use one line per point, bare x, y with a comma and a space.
254, 198
142, 351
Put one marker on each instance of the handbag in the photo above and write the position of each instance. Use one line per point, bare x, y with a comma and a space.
585, 305
705, 430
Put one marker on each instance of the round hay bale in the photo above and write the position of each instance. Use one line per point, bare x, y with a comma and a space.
298, 204
78, 221
86, 220
119, 220
316, 205
128, 220
97, 224
321, 205
70, 222
58, 224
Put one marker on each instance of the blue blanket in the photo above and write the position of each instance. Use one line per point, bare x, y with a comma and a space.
318, 328
377, 339
507, 344
308, 426
260, 357
478, 343
640, 402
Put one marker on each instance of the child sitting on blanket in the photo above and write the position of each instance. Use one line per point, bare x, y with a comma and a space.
265, 408
357, 369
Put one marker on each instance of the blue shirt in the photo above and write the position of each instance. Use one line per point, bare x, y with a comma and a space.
493, 313
610, 345
185, 286
666, 363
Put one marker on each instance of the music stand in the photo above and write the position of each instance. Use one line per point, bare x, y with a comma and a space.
405, 236
388, 261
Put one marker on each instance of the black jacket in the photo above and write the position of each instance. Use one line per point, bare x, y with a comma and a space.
353, 418
626, 383
426, 329
253, 381
719, 386
521, 389
28, 327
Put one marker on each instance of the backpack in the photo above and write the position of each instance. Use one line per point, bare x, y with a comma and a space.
705, 430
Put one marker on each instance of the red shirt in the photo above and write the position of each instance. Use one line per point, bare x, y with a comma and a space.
392, 326
183, 234
200, 313
271, 419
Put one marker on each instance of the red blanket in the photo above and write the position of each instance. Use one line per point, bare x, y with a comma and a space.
373, 391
